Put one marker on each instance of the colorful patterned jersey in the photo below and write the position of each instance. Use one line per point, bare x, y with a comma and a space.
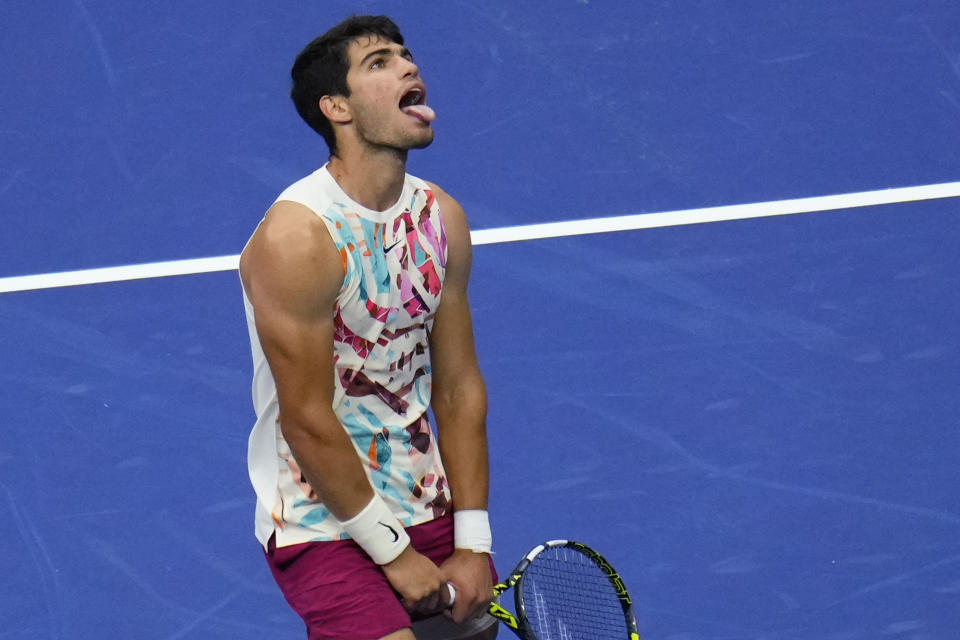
394, 263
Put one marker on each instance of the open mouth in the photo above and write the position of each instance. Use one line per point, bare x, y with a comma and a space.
413, 103
412, 98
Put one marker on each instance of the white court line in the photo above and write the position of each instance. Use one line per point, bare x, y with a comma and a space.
523, 232
118, 274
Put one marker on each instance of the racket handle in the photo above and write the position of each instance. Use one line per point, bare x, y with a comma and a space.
453, 595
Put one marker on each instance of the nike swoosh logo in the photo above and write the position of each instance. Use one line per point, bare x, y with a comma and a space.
396, 536
389, 249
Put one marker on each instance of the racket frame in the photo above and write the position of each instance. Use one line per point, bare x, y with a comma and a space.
519, 623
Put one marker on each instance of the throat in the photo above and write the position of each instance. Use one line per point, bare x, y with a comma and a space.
373, 182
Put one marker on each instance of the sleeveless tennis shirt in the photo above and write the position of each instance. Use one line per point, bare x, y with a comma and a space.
394, 263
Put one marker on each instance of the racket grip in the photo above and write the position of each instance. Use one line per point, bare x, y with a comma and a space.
453, 595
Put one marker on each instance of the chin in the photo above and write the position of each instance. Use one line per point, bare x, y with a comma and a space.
421, 142
424, 144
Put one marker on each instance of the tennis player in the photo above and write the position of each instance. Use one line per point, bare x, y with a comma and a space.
355, 288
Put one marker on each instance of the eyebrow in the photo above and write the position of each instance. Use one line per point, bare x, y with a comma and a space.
384, 51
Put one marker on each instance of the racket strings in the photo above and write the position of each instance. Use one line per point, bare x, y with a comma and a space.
566, 596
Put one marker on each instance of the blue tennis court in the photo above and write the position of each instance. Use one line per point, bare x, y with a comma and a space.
753, 417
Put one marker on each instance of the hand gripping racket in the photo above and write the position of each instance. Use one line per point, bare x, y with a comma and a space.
564, 590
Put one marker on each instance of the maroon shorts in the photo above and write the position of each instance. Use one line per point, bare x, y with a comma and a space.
340, 593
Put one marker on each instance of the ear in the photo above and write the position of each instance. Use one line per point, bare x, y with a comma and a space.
336, 109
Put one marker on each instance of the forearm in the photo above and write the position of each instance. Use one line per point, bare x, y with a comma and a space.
331, 465
328, 460
461, 426
462, 435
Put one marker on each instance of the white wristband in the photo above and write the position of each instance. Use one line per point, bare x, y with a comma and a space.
471, 530
377, 531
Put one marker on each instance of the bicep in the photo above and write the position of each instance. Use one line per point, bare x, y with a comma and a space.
292, 273
451, 340
299, 351
453, 353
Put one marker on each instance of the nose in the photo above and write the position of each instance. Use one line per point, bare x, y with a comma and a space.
410, 68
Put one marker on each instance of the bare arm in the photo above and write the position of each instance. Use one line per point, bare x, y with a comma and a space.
460, 406
292, 273
459, 394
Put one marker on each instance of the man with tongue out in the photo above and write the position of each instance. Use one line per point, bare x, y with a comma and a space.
355, 289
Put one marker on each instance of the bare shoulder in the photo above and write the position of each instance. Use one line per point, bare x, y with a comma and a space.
454, 217
288, 229
458, 236
291, 254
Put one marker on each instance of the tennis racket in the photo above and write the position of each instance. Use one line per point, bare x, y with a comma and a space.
564, 590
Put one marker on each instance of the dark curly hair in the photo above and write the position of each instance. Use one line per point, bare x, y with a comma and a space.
321, 68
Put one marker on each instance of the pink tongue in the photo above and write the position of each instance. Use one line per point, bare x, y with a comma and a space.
421, 111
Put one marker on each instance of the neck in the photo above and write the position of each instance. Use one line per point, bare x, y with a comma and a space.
373, 178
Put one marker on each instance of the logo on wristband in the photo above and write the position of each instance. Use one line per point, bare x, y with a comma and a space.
396, 536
